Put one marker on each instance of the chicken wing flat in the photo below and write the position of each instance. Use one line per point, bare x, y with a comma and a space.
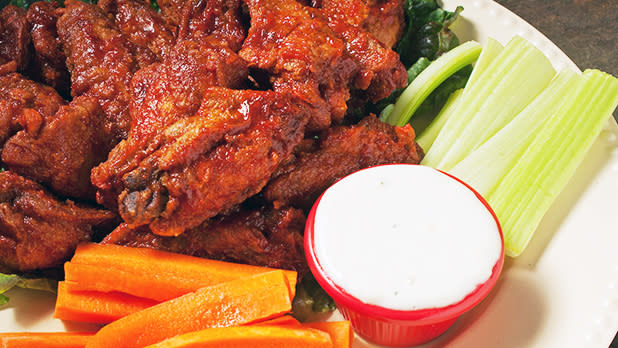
385, 20
162, 94
100, 63
303, 56
49, 65
172, 10
341, 151
36, 229
220, 19
25, 104
219, 157
15, 40
144, 27
62, 152
262, 237
380, 71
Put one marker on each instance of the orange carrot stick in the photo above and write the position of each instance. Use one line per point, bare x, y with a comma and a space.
340, 332
280, 321
44, 339
237, 302
96, 307
249, 337
154, 274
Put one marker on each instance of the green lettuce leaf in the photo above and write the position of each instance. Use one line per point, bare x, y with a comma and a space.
9, 281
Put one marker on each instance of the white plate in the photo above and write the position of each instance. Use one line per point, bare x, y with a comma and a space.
562, 292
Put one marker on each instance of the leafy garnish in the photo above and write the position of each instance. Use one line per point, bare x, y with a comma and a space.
427, 33
9, 281
311, 298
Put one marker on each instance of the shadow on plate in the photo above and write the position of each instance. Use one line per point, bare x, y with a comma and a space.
511, 317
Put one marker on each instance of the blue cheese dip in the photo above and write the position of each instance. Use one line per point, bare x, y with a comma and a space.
405, 237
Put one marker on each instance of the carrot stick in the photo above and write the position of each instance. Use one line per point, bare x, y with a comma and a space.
249, 337
96, 307
280, 321
237, 302
340, 332
154, 274
44, 339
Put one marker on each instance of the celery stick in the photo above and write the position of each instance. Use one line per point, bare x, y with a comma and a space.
486, 166
527, 191
430, 78
488, 54
517, 75
491, 50
429, 134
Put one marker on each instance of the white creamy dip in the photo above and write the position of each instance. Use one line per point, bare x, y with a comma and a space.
405, 237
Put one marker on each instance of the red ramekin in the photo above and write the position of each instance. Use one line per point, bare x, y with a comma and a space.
397, 328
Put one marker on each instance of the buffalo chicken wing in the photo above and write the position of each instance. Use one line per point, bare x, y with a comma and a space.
100, 62
339, 152
261, 237
49, 65
213, 160
39, 231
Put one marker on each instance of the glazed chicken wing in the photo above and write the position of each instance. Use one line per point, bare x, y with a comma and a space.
262, 237
100, 63
220, 19
384, 19
61, 153
15, 40
162, 94
380, 71
151, 36
36, 229
213, 160
302, 55
49, 64
341, 151
24, 104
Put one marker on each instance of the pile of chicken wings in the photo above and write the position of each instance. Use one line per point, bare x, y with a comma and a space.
206, 127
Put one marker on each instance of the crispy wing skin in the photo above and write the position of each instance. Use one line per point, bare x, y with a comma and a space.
263, 237
380, 71
15, 40
303, 56
100, 63
226, 154
36, 229
162, 94
220, 19
172, 10
62, 152
341, 151
385, 20
144, 27
25, 104
49, 65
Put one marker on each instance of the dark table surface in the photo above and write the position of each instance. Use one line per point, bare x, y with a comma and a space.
586, 30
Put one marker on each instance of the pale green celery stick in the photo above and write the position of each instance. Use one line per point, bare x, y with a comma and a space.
474, 97
517, 88
429, 134
489, 163
386, 111
490, 51
438, 71
528, 190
